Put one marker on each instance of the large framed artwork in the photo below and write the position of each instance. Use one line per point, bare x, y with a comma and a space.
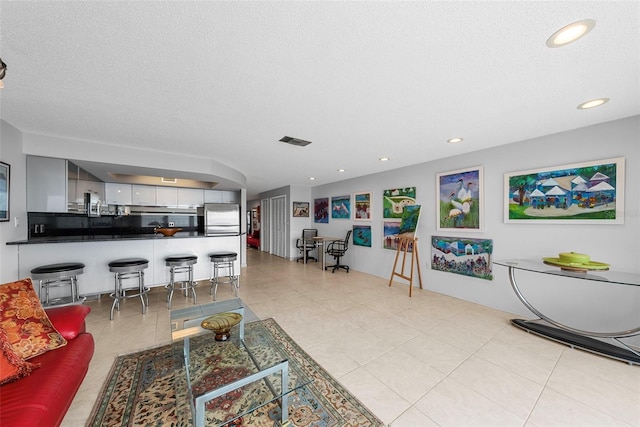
461, 255
362, 235
301, 209
4, 191
341, 207
579, 193
321, 210
460, 200
363, 206
394, 201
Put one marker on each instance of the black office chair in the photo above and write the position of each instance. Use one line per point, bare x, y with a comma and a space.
337, 250
306, 244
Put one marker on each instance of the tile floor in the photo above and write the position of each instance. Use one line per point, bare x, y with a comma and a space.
430, 360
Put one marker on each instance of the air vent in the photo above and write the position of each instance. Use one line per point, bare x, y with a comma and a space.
295, 141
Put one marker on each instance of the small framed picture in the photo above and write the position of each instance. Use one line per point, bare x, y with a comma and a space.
363, 206
4, 191
301, 209
341, 207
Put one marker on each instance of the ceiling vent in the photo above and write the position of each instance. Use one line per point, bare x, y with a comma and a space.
295, 141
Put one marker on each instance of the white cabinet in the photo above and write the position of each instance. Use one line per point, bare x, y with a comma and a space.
166, 196
144, 195
190, 197
117, 194
46, 184
92, 187
219, 196
230, 197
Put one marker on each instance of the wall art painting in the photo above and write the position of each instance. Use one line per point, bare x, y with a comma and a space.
341, 207
321, 210
409, 221
390, 230
362, 235
460, 255
4, 191
362, 202
394, 200
460, 200
301, 209
579, 193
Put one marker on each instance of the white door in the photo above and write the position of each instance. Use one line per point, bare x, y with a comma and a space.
265, 225
279, 226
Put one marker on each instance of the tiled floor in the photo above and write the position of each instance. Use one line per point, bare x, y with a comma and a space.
430, 360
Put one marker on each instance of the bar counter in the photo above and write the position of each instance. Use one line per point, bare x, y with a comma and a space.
96, 251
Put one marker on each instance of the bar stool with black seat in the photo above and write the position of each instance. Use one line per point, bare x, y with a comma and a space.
129, 269
181, 264
56, 276
223, 262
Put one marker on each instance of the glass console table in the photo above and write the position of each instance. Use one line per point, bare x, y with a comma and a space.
585, 340
218, 382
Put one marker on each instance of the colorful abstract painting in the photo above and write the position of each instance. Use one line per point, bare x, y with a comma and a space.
581, 193
459, 255
394, 201
410, 218
321, 210
362, 235
341, 207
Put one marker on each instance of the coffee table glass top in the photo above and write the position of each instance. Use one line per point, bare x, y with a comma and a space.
207, 371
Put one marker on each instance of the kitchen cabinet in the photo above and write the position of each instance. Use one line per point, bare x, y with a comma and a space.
220, 196
143, 195
166, 196
46, 184
92, 187
117, 194
191, 197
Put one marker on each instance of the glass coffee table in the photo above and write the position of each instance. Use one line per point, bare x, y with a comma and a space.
217, 382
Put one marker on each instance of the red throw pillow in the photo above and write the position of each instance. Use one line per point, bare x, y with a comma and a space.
12, 366
29, 330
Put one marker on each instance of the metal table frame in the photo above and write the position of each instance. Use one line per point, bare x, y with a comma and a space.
586, 340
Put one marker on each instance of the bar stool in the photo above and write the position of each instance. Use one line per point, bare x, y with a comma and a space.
59, 275
126, 269
181, 264
223, 261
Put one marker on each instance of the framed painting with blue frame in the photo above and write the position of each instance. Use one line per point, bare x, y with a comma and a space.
341, 207
460, 200
578, 193
321, 210
362, 235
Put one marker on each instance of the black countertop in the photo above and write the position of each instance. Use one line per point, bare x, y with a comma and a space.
113, 238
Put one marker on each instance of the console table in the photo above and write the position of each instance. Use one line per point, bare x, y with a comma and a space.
585, 340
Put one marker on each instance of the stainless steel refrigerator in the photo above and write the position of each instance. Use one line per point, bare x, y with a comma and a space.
220, 219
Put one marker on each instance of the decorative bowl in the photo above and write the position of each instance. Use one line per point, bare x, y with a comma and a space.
168, 232
221, 324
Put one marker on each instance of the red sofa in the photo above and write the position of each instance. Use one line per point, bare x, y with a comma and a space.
43, 397
253, 239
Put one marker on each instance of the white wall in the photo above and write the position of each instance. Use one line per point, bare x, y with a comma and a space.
597, 306
11, 153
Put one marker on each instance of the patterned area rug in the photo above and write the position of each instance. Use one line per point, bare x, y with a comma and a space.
141, 391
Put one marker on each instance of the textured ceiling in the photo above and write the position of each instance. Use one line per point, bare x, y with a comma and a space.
361, 80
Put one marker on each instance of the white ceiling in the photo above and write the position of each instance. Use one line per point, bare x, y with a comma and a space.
361, 80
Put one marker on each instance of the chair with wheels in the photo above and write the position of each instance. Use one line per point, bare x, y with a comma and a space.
306, 244
337, 249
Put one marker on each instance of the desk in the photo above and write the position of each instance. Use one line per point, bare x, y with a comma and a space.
320, 241
586, 340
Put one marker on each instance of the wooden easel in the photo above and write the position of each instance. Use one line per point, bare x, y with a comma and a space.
404, 243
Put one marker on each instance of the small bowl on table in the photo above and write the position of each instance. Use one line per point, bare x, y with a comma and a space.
167, 232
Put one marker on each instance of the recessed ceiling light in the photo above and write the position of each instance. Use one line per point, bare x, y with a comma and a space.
311, 178
593, 103
571, 33
383, 159
342, 170
454, 140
